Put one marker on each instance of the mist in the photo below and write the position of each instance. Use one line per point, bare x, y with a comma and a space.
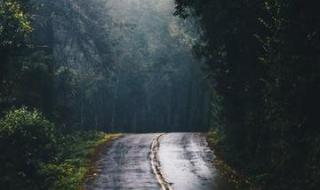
135, 68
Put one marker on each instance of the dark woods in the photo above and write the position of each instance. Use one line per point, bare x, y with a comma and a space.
263, 59
71, 65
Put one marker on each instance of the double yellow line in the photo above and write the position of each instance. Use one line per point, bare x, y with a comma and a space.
155, 163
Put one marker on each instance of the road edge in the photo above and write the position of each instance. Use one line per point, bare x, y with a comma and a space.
91, 172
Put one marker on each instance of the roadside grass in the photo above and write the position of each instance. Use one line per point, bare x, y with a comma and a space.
74, 157
239, 181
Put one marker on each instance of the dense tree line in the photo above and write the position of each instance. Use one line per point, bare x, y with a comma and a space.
85, 68
263, 63
69, 66
32, 149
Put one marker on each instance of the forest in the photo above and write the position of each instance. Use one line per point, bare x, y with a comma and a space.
246, 72
83, 68
263, 63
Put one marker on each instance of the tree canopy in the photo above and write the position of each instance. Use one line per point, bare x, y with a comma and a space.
263, 61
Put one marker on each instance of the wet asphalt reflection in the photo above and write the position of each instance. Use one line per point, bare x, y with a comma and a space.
185, 162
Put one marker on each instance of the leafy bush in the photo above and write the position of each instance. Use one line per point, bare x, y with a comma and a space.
27, 142
75, 151
215, 137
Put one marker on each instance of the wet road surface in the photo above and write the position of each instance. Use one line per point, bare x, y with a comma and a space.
184, 159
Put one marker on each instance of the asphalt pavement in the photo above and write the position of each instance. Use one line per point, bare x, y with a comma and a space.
184, 161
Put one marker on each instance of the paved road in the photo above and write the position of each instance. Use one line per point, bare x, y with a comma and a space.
184, 160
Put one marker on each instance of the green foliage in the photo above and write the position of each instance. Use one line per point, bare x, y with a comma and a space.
215, 137
263, 61
27, 141
74, 153
14, 23
35, 156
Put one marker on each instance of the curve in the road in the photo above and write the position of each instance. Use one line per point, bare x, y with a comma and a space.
180, 161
